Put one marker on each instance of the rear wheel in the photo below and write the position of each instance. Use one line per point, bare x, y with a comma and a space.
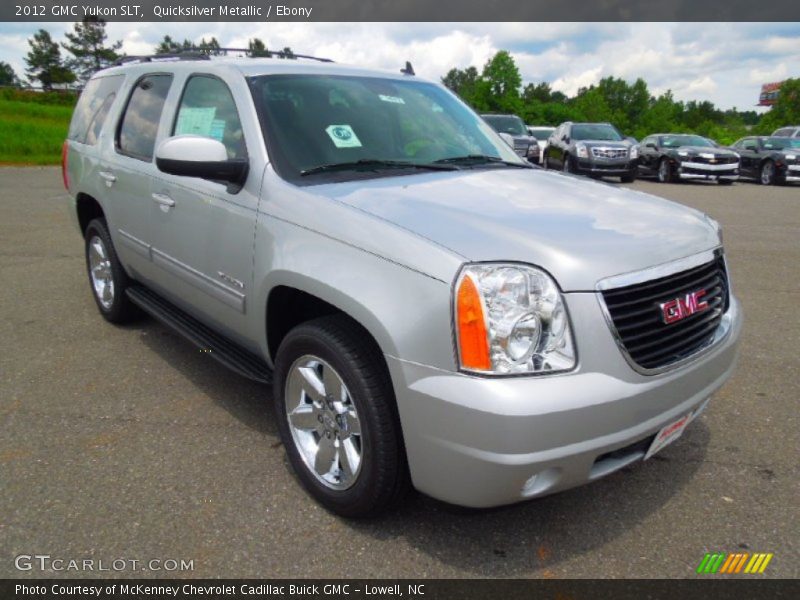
767, 173
107, 276
337, 417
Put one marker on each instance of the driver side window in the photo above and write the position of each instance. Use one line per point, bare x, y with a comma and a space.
207, 109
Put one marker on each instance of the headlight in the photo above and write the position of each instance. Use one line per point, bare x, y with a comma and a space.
683, 153
790, 157
511, 319
581, 150
634, 153
533, 149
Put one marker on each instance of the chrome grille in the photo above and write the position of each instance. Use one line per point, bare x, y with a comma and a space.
521, 147
636, 314
609, 152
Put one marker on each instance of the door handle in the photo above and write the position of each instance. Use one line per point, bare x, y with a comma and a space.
163, 200
109, 178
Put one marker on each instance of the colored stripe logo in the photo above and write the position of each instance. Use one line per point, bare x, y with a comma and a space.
737, 562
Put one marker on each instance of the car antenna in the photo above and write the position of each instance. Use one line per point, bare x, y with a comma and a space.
408, 70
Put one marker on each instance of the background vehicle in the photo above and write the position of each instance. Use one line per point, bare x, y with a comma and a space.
674, 156
769, 160
524, 144
594, 149
792, 132
542, 134
414, 291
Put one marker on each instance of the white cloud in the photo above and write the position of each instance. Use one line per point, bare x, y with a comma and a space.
722, 62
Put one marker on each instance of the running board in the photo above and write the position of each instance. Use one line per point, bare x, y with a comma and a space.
218, 347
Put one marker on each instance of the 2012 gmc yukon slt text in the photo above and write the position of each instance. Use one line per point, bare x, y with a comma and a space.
430, 309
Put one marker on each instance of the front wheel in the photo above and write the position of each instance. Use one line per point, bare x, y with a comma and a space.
665, 174
768, 173
337, 417
568, 165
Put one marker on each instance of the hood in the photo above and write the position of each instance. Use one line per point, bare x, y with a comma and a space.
705, 150
579, 230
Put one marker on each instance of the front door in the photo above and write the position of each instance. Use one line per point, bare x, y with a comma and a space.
203, 230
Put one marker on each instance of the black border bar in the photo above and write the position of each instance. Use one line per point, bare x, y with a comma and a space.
403, 10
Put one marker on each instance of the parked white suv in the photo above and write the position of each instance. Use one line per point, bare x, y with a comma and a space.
430, 309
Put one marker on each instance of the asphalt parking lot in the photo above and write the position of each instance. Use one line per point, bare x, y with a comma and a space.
128, 443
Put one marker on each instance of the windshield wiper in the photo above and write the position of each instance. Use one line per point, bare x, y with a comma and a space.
480, 159
374, 163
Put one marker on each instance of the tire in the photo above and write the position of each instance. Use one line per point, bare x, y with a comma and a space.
665, 174
107, 278
766, 175
568, 166
724, 182
367, 471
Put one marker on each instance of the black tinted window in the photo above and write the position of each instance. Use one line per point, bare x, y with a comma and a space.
139, 127
207, 109
92, 108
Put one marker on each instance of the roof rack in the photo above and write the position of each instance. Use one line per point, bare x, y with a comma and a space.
198, 53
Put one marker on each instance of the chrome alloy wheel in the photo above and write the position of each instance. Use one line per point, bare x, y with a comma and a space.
768, 173
100, 272
324, 422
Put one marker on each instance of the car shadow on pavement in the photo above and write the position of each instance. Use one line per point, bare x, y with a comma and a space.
248, 401
515, 540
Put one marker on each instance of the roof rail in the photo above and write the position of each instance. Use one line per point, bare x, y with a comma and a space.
205, 53
123, 60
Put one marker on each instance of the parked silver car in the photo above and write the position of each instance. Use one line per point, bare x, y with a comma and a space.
431, 310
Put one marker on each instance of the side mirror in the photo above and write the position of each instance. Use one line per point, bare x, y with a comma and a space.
650, 145
198, 156
565, 138
507, 139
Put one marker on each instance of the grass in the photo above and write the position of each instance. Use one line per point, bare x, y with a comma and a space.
33, 128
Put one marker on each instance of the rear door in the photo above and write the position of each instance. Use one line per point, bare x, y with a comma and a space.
203, 230
128, 169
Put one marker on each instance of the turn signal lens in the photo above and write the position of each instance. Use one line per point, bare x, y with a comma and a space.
473, 343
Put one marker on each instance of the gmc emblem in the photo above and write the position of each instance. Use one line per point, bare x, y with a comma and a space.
678, 309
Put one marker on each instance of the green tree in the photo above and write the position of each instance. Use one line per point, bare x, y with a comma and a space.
7, 75
462, 82
785, 111
170, 46
87, 44
258, 48
502, 83
210, 47
44, 62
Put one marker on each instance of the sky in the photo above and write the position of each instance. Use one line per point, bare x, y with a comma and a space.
725, 63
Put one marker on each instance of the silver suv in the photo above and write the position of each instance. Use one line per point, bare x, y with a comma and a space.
429, 308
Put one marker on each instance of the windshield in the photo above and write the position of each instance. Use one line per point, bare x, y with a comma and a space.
780, 143
675, 141
541, 133
313, 121
596, 131
506, 124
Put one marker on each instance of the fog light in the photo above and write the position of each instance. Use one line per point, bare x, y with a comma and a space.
541, 482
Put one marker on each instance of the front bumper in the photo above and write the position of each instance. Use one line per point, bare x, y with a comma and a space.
694, 170
477, 441
609, 167
792, 173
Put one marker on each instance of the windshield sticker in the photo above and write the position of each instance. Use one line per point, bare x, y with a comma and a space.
196, 121
392, 99
343, 136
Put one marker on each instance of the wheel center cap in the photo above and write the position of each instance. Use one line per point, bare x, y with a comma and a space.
329, 422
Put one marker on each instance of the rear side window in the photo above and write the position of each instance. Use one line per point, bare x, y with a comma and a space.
92, 108
207, 109
139, 126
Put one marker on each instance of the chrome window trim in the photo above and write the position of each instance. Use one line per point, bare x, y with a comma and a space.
665, 270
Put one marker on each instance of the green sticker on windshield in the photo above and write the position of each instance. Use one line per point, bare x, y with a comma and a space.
343, 136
